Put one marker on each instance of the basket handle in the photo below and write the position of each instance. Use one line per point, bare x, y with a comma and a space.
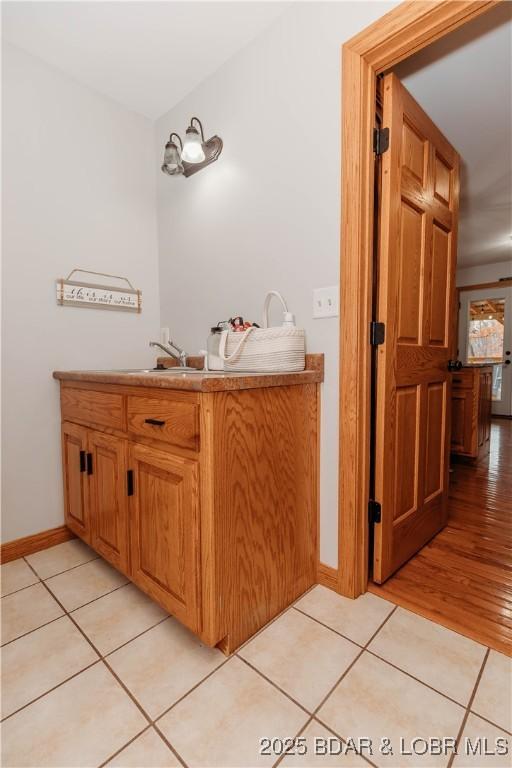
266, 305
236, 352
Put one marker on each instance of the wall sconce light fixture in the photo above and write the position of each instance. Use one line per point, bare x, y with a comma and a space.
192, 154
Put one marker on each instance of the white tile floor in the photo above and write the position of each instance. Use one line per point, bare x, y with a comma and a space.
94, 673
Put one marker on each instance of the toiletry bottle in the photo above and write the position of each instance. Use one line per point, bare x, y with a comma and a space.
213, 361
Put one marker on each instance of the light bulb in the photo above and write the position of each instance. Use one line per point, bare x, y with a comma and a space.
192, 148
172, 163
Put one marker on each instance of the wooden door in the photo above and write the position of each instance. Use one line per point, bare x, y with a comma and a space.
417, 257
107, 469
165, 530
76, 506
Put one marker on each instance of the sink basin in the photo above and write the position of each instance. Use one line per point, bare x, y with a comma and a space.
163, 371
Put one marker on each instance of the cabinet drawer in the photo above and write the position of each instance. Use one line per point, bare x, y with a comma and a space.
462, 380
173, 421
97, 408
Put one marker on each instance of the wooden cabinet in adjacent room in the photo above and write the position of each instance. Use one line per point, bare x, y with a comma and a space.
471, 412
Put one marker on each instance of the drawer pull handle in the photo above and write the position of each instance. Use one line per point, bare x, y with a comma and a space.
155, 422
458, 381
82, 461
129, 482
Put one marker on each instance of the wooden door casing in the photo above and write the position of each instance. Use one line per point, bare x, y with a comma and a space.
109, 500
76, 497
165, 530
417, 258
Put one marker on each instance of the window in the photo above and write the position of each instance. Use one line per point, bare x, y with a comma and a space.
486, 337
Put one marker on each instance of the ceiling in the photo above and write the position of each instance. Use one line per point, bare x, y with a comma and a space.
149, 55
464, 82
145, 55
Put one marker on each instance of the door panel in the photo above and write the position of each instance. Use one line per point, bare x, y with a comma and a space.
76, 507
109, 507
417, 254
165, 531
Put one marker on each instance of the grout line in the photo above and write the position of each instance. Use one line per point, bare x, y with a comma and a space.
331, 690
178, 701
266, 626
135, 637
286, 753
53, 688
417, 679
166, 741
115, 676
45, 624
495, 725
331, 730
89, 601
59, 573
468, 708
363, 649
225, 661
21, 589
322, 624
68, 612
312, 716
115, 754
390, 614
381, 658
285, 693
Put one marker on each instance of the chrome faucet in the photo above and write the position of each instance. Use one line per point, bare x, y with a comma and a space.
181, 355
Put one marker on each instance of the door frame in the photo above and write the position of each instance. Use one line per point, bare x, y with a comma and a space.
400, 33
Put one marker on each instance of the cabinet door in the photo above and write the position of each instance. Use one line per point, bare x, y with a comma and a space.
76, 506
107, 469
462, 421
484, 409
165, 530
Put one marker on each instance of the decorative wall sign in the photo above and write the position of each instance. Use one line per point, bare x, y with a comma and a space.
73, 293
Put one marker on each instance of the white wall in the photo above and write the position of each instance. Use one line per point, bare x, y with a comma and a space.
484, 273
266, 215
78, 191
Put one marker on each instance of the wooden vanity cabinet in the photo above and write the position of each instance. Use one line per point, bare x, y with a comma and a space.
207, 501
471, 412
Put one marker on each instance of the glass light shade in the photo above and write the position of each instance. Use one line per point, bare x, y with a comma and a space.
172, 162
192, 147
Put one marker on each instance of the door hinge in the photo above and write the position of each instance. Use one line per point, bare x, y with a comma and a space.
82, 461
374, 511
129, 482
89, 463
377, 333
380, 140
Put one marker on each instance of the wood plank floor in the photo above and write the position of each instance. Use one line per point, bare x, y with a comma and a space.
463, 577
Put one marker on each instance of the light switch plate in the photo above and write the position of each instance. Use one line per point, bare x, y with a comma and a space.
326, 301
